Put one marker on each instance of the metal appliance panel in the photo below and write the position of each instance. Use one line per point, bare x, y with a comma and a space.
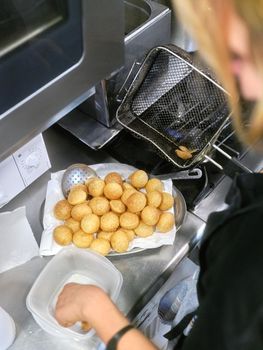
102, 23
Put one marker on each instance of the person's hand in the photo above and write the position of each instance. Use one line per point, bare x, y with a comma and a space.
78, 302
90, 304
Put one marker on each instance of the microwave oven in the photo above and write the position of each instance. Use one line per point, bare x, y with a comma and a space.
52, 52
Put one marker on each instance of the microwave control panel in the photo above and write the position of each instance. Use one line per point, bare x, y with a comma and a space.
22, 168
32, 159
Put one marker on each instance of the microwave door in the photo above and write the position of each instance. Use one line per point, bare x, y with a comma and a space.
40, 39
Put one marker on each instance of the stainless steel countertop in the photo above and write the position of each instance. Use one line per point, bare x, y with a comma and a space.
143, 272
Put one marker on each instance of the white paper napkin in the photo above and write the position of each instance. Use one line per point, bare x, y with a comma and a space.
54, 193
18, 244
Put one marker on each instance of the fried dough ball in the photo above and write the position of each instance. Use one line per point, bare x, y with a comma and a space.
166, 222
136, 202
113, 177
167, 201
130, 234
150, 215
62, 235
73, 224
99, 205
183, 154
77, 196
139, 178
82, 239
96, 187
85, 326
154, 185
126, 194
109, 222
129, 221
89, 181
128, 186
90, 223
154, 198
62, 210
101, 246
143, 230
117, 206
79, 187
105, 235
113, 190
80, 210
119, 241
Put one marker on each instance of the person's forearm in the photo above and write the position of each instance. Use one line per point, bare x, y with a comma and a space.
109, 320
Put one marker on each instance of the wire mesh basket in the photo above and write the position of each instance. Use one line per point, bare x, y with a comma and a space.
175, 105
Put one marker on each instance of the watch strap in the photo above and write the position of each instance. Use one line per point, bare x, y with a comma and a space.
112, 344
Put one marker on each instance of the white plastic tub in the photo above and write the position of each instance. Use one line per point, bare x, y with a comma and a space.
71, 264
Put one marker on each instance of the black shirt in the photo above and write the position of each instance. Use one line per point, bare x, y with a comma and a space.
230, 286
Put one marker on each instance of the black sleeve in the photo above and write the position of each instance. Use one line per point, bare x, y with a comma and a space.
230, 315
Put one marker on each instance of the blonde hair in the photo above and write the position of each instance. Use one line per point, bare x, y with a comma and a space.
205, 21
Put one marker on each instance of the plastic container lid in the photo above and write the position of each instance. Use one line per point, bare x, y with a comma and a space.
71, 264
7, 329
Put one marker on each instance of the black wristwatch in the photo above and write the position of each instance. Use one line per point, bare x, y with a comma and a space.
112, 344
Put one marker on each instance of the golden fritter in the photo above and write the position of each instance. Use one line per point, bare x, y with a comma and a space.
99, 205
77, 196
80, 210
154, 185
167, 201
105, 235
130, 234
154, 198
82, 239
113, 190
136, 202
150, 215
109, 222
127, 186
139, 178
62, 210
96, 187
113, 177
143, 230
79, 187
73, 224
126, 194
166, 222
119, 241
63, 235
101, 246
129, 221
90, 223
117, 206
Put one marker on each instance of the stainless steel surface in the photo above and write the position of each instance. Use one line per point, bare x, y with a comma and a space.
74, 175
102, 33
89, 130
142, 272
147, 24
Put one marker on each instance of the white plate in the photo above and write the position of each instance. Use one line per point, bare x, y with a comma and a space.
54, 194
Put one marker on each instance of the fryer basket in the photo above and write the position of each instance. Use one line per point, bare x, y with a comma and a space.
172, 102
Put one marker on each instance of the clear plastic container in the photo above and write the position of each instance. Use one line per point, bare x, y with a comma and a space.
7, 329
71, 264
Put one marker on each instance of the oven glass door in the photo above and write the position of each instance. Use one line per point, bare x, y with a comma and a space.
39, 40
